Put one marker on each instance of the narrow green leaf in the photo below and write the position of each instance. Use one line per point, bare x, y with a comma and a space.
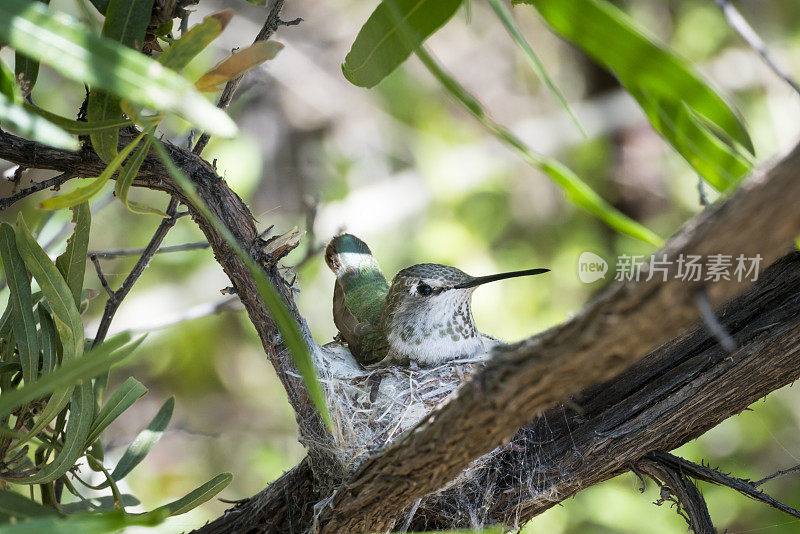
72, 263
28, 125
97, 504
7, 85
89, 523
62, 43
15, 505
197, 497
143, 442
191, 43
126, 176
610, 37
576, 190
22, 319
380, 48
121, 400
125, 22
92, 364
77, 127
81, 413
287, 326
82, 194
26, 69
513, 30
49, 340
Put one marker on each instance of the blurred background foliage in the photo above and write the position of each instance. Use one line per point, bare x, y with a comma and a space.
407, 170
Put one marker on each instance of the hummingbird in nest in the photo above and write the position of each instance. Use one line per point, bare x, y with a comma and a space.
423, 318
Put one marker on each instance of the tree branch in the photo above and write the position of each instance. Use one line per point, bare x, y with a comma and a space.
626, 322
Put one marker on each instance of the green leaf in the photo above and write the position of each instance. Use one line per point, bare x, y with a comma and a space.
26, 69
90, 523
28, 125
22, 320
287, 326
191, 43
72, 263
657, 78
15, 505
81, 413
7, 85
128, 174
143, 442
513, 30
49, 340
126, 22
577, 191
92, 364
121, 400
380, 47
82, 194
65, 45
100, 5
105, 502
197, 497
77, 127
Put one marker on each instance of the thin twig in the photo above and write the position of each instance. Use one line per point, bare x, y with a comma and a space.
313, 247
112, 304
708, 474
109, 254
777, 474
102, 277
701, 191
55, 181
270, 25
743, 28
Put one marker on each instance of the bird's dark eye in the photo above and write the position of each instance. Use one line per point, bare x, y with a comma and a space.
424, 289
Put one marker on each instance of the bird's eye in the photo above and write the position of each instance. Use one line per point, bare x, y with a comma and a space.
424, 289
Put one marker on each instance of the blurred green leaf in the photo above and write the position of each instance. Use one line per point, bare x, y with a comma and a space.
85, 523
513, 30
576, 190
197, 497
77, 127
82, 194
72, 263
81, 413
49, 340
26, 69
22, 320
125, 23
380, 48
93, 363
143, 442
659, 81
122, 399
191, 43
287, 326
63, 43
7, 85
99, 503
28, 125
126, 176
15, 505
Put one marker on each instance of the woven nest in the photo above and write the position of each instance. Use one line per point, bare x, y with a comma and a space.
370, 408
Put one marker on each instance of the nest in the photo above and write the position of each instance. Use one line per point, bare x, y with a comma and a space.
370, 408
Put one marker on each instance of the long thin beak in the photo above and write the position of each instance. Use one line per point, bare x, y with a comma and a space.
479, 280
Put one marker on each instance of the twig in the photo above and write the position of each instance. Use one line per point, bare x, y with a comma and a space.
743, 28
701, 191
55, 181
708, 474
102, 277
270, 25
109, 254
313, 248
113, 303
715, 328
777, 474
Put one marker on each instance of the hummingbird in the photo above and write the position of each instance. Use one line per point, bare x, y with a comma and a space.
423, 318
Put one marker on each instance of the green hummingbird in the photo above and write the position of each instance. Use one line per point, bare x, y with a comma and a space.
424, 317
